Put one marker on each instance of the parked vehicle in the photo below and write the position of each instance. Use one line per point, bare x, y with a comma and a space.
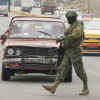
92, 33
30, 46
48, 6
26, 8
4, 7
60, 13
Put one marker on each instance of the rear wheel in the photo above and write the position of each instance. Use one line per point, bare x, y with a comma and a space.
42, 11
68, 77
52, 12
5, 73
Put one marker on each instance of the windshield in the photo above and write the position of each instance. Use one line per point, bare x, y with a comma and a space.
91, 24
25, 5
36, 29
62, 16
3, 2
79, 13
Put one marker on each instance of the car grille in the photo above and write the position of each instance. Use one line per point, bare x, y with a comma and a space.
29, 51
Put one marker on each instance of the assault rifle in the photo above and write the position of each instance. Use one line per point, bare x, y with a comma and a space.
61, 52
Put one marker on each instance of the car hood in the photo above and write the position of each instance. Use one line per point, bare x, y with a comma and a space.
32, 42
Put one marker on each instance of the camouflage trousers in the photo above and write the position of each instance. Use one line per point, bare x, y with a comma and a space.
72, 56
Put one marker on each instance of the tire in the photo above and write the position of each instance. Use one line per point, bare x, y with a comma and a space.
5, 73
42, 12
52, 12
12, 73
68, 77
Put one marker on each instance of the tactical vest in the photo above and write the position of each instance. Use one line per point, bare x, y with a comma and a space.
78, 40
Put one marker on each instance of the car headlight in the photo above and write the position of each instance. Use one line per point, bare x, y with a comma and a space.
18, 52
10, 51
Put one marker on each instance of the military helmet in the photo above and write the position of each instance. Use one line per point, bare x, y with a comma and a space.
71, 14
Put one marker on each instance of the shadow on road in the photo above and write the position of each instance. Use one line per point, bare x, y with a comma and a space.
33, 78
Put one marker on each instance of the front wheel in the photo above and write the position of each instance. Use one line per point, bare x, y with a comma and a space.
68, 77
42, 11
5, 73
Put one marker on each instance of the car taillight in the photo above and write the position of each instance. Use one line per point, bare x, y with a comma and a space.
43, 7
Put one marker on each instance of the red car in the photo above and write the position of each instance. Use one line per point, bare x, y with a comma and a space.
30, 46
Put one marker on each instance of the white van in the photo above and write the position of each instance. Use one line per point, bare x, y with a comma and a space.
4, 7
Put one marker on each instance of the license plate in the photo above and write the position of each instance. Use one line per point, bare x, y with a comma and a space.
43, 60
92, 45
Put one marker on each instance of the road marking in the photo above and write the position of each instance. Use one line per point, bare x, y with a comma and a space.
97, 74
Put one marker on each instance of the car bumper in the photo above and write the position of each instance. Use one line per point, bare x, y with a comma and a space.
31, 63
26, 10
91, 46
30, 60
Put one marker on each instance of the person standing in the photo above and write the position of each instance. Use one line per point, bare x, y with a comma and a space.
73, 54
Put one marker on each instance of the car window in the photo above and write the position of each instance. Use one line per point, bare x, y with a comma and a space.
37, 29
91, 24
25, 5
62, 16
79, 13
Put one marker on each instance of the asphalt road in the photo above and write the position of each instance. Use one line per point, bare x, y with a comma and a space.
34, 11
29, 87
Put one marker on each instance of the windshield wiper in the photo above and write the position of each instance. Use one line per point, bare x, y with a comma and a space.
45, 33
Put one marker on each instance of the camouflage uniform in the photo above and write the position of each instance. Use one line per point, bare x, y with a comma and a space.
73, 54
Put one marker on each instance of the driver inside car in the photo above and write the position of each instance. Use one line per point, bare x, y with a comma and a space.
14, 30
32, 31
55, 30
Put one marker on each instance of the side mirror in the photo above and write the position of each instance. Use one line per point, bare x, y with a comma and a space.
3, 37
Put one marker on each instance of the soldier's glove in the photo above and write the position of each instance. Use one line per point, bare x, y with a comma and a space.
59, 39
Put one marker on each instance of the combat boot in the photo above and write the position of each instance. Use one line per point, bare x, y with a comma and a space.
85, 90
51, 88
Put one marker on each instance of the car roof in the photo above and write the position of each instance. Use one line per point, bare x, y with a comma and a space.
29, 18
25, 5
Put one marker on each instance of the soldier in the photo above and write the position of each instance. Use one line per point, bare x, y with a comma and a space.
73, 54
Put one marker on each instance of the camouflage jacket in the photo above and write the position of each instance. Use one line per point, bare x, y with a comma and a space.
74, 35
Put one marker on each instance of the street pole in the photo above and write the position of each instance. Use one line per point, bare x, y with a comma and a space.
82, 6
9, 5
88, 6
